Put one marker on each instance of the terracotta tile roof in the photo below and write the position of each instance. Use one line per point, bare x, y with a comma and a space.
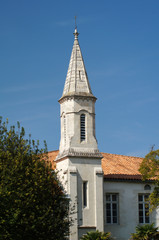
121, 167
52, 156
114, 166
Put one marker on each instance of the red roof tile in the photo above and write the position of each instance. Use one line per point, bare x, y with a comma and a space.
52, 156
121, 167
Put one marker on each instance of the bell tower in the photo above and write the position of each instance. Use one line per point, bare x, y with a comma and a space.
79, 160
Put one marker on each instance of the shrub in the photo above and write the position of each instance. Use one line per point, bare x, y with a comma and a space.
97, 236
145, 232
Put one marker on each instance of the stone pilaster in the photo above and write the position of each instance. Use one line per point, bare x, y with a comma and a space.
72, 187
98, 184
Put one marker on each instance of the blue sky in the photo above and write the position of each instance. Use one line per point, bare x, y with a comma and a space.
120, 46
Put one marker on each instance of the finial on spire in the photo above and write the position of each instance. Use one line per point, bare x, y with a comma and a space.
76, 32
75, 22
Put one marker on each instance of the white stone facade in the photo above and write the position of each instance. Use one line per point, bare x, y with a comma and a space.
79, 163
90, 217
128, 207
71, 109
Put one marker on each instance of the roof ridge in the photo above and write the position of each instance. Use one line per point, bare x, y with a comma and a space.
53, 151
121, 155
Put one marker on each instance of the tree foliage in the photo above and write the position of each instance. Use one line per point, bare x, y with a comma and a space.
145, 232
149, 169
33, 204
96, 235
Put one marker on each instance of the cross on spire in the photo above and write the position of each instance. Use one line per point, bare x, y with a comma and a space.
75, 22
76, 32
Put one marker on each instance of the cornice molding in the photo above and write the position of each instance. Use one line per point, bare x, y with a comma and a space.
79, 96
77, 153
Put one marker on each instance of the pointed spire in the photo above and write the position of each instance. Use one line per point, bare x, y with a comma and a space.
76, 80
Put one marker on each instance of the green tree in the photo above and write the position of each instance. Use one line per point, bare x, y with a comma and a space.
145, 232
149, 169
33, 204
96, 235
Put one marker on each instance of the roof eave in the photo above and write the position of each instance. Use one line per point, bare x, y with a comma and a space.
74, 95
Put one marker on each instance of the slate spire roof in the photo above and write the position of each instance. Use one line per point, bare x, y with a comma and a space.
76, 80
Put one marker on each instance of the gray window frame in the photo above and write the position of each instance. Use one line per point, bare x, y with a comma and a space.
143, 208
112, 208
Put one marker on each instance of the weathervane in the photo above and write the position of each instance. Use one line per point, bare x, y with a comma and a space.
76, 32
75, 22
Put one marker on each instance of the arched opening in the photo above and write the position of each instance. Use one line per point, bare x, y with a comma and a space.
64, 124
147, 187
82, 126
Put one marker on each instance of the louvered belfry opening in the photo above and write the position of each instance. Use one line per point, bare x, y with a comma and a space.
83, 131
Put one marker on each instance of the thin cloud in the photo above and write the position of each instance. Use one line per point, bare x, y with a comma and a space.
145, 101
28, 101
35, 117
125, 134
139, 124
122, 93
15, 89
112, 72
65, 23
140, 153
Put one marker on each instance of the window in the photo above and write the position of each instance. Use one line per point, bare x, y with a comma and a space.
85, 190
112, 208
147, 187
64, 123
82, 125
143, 203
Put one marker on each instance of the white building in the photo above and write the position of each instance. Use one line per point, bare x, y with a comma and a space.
106, 188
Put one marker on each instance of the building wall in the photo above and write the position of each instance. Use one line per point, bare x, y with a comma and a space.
75, 171
86, 215
71, 109
62, 168
128, 208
